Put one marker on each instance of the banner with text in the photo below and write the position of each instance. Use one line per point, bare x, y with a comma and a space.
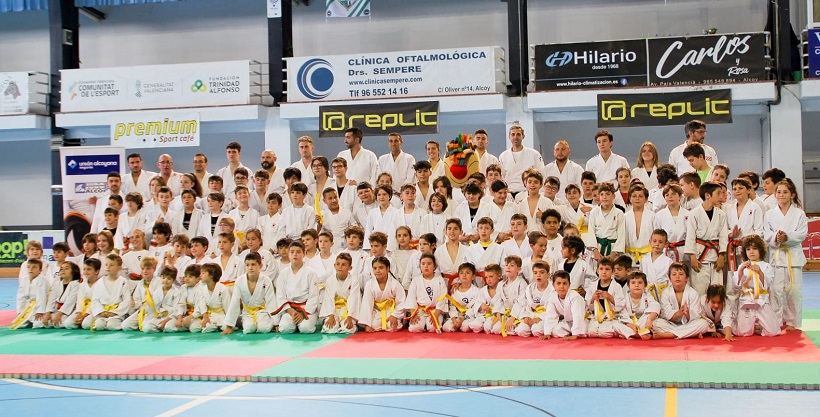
709, 59
590, 65
156, 86
380, 119
664, 109
13, 246
397, 74
13, 93
155, 130
814, 53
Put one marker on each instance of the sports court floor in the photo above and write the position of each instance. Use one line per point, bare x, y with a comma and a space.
129, 374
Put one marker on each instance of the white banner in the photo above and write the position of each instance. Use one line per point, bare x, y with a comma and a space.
13, 93
274, 8
347, 8
397, 74
156, 86
85, 169
155, 130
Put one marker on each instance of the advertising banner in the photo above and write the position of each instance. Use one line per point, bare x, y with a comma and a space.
814, 53
396, 74
347, 8
155, 130
13, 245
664, 109
709, 59
13, 93
156, 86
590, 65
380, 119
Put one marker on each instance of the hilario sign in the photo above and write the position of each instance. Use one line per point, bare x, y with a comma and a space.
709, 59
156, 86
380, 119
663, 109
396, 74
156, 130
590, 65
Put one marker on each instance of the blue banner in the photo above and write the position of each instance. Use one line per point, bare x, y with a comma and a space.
91, 164
814, 53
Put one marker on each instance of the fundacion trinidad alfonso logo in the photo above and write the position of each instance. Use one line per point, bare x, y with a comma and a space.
315, 79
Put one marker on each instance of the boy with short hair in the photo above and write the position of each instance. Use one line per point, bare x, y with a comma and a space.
110, 299
199, 247
707, 234
638, 225
565, 310
532, 204
342, 298
424, 190
538, 245
673, 219
489, 296
696, 156
353, 246
378, 248
551, 219
606, 225
297, 294
210, 220
244, 216
451, 254
213, 299
409, 214
249, 301
335, 218
518, 243
230, 264
486, 251
187, 221
467, 212
656, 266
31, 304
622, 265
681, 308
499, 210
512, 289
187, 298
298, 216
641, 310
690, 184
161, 243
588, 180
463, 309
365, 202
271, 224
90, 274
529, 309
605, 299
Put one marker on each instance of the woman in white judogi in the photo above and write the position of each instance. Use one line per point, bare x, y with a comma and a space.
785, 228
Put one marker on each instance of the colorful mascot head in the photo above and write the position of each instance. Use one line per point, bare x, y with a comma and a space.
461, 161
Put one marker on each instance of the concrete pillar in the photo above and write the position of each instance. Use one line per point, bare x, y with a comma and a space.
278, 137
786, 136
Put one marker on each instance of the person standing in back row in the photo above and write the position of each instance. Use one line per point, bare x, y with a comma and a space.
361, 163
517, 159
695, 131
605, 165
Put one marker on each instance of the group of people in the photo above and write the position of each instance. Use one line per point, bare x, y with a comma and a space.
372, 243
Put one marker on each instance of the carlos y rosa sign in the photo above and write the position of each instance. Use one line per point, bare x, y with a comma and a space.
396, 74
709, 59
156, 86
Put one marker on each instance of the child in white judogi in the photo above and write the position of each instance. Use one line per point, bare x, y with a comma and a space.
785, 228
297, 294
142, 300
500, 210
512, 289
518, 244
640, 311
342, 298
427, 244
605, 299
656, 265
31, 303
463, 309
565, 311
62, 298
426, 298
253, 297
253, 240
538, 243
91, 274
186, 221
244, 216
607, 232
707, 234
673, 219
681, 308
489, 296
529, 310
383, 299
271, 223
160, 309
213, 300
716, 312
485, 251
404, 252
452, 253
131, 268
639, 219
110, 298
336, 218
229, 263
753, 278
579, 269
745, 218
532, 203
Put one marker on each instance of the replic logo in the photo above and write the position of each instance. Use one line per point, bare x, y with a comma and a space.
315, 79
558, 59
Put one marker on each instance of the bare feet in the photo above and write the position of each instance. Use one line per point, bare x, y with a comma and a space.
790, 328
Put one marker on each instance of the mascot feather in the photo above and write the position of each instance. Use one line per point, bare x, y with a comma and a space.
461, 161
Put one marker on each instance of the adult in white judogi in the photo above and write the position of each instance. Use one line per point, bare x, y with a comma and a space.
138, 180
485, 159
695, 133
605, 165
563, 168
361, 163
397, 163
518, 159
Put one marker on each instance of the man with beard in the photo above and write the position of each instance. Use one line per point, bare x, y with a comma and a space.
485, 159
517, 159
139, 179
361, 163
277, 180
567, 171
201, 170
695, 133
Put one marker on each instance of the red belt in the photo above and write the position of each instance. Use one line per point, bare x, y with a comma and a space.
707, 244
730, 254
300, 307
673, 247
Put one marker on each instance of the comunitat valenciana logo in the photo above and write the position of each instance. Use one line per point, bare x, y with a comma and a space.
315, 79
199, 87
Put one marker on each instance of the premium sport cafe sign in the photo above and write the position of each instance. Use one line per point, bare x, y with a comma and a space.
710, 59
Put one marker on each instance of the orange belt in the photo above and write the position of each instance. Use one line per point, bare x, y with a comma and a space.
135, 277
707, 245
730, 254
673, 247
228, 283
300, 307
429, 310
450, 278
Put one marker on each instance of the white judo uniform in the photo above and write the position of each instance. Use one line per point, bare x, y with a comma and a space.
380, 303
298, 290
462, 305
603, 313
754, 303
571, 174
112, 296
637, 312
424, 297
342, 299
788, 260
214, 303
715, 233
565, 316
62, 298
531, 306
606, 171
694, 325
515, 163
255, 307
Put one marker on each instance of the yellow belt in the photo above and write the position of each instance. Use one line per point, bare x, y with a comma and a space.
149, 299
637, 253
659, 287
641, 331
582, 227
461, 309
504, 316
341, 303
24, 315
539, 310
108, 307
216, 310
85, 305
604, 314
789, 262
252, 311
383, 306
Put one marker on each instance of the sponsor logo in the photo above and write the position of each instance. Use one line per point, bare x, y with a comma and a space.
89, 188
723, 48
338, 121
92, 164
593, 57
155, 127
558, 59
93, 89
199, 87
138, 88
315, 79
11, 250
620, 110
72, 164
664, 109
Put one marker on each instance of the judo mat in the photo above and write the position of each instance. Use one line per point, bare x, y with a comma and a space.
791, 361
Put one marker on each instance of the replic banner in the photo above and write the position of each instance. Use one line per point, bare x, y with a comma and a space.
590, 65
380, 119
663, 109
709, 59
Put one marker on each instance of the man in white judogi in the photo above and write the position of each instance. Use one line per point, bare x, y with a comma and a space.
517, 159
139, 179
605, 165
695, 133
567, 171
361, 163
397, 163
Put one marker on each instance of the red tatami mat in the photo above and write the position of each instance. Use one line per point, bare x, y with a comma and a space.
792, 347
208, 366
6, 317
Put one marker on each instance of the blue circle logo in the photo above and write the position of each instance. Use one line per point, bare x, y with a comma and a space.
315, 79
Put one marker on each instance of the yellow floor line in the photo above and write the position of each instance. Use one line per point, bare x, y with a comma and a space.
671, 408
